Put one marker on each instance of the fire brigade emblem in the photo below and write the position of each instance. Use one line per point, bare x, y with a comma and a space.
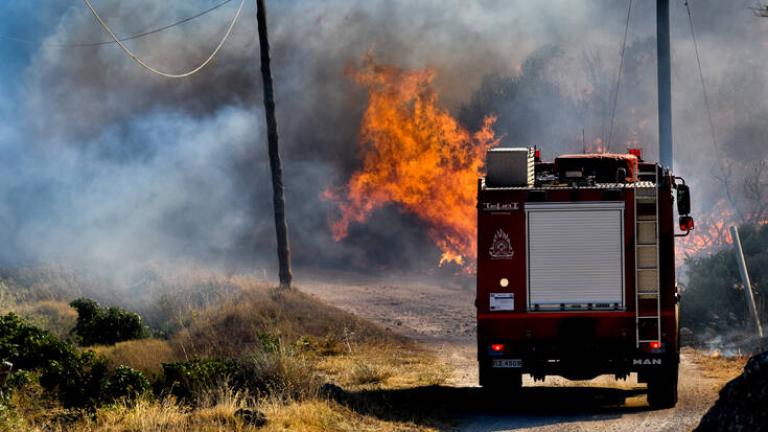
501, 248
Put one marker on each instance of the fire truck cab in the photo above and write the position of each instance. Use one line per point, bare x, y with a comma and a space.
576, 270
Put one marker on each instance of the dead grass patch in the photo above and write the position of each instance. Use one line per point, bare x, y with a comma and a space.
395, 365
145, 355
323, 415
56, 316
716, 366
363, 373
257, 316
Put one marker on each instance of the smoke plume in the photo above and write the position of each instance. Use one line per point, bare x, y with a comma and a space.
110, 168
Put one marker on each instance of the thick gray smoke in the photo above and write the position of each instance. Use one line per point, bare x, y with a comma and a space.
112, 168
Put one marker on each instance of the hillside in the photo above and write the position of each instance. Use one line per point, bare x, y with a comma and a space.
247, 356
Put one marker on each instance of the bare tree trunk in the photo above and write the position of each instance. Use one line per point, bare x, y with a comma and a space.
278, 200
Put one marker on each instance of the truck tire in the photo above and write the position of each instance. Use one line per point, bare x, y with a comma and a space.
662, 390
500, 381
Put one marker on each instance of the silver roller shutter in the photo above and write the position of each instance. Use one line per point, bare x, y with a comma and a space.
575, 256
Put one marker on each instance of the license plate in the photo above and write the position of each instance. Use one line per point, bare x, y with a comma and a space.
507, 363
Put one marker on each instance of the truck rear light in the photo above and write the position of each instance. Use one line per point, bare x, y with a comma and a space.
655, 345
497, 347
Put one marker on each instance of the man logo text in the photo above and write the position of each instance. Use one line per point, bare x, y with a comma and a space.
646, 362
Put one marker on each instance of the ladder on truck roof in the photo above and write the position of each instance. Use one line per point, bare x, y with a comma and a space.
647, 287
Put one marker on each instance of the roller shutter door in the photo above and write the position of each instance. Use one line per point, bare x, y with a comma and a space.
575, 256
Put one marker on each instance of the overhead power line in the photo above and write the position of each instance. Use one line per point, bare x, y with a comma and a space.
146, 66
123, 39
618, 77
701, 78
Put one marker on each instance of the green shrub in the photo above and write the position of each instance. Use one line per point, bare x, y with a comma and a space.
275, 373
107, 326
190, 380
78, 379
29, 347
125, 384
18, 379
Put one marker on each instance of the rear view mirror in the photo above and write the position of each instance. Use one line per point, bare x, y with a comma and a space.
683, 200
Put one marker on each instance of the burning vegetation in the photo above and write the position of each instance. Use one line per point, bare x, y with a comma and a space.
417, 156
710, 234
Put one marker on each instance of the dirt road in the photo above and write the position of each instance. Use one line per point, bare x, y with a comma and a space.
442, 317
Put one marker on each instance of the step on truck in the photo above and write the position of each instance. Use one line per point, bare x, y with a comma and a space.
576, 269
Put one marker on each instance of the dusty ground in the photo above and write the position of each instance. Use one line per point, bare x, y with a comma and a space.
442, 317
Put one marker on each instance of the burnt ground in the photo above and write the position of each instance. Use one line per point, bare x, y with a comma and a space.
442, 318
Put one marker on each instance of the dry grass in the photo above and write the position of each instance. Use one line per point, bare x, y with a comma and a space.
390, 365
316, 415
296, 342
367, 373
47, 312
322, 415
145, 355
56, 316
217, 413
257, 316
713, 365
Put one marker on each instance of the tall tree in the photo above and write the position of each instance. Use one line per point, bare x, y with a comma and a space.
278, 200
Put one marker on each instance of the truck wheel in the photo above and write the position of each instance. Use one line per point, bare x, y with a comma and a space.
500, 381
662, 390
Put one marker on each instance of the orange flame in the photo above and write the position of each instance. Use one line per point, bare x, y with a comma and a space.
711, 233
417, 156
713, 230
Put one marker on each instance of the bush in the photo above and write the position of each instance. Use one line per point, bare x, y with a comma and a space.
78, 379
29, 347
714, 296
125, 384
97, 325
276, 373
85, 381
191, 380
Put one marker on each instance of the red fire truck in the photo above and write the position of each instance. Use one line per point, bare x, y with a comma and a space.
576, 269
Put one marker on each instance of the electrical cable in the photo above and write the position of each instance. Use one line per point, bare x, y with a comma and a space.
618, 77
127, 38
154, 70
701, 78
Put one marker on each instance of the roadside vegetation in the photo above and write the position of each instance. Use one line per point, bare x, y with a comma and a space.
713, 306
217, 354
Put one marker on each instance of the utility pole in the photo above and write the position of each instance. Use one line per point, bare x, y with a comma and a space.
278, 199
664, 75
750, 296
